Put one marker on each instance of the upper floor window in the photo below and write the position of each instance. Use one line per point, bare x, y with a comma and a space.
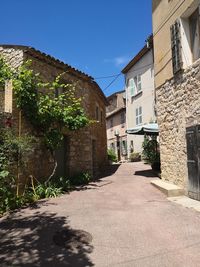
138, 116
101, 116
123, 119
195, 34
138, 83
97, 113
185, 39
131, 86
135, 85
176, 47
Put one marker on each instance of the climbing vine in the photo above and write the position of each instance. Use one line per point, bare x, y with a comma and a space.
50, 107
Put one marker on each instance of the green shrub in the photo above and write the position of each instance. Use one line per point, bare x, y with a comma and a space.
80, 179
135, 156
111, 155
47, 191
61, 182
151, 152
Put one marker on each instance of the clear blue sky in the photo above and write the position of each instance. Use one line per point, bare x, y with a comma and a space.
98, 37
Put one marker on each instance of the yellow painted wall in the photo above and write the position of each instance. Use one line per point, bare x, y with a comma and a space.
165, 12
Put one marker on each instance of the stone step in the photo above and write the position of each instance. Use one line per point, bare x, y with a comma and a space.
171, 190
186, 202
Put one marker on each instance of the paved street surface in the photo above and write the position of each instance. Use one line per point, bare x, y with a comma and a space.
121, 220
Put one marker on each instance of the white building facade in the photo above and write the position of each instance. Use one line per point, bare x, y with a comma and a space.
140, 100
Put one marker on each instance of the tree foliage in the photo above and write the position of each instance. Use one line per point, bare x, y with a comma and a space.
51, 108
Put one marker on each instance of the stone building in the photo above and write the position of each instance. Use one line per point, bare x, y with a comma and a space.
177, 79
83, 150
140, 94
116, 124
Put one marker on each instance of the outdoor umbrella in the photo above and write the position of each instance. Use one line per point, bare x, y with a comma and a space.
148, 129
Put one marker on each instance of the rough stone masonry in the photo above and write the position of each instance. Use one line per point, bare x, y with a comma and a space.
178, 107
86, 148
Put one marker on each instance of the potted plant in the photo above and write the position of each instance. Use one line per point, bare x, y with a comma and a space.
111, 156
134, 157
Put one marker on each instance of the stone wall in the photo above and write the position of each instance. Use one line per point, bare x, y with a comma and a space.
178, 106
81, 156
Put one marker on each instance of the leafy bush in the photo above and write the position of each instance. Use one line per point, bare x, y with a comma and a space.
62, 182
49, 115
151, 152
46, 191
135, 156
111, 155
80, 179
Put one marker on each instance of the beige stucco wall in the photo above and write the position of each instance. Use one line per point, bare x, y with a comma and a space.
120, 129
145, 99
114, 111
164, 15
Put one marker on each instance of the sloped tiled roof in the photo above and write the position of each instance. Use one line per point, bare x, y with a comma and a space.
54, 61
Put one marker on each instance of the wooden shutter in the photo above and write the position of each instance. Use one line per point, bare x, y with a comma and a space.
176, 47
132, 87
136, 115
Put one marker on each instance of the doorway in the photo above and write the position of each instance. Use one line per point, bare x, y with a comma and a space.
61, 158
193, 161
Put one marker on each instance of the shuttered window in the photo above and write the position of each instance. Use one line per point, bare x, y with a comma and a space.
139, 85
138, 113
176, 47
131, 87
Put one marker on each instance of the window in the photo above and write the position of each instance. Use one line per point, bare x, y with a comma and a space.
111, 124
97, 113
123, 119
194, 35
138, 115
131, 86
176, 47
101, 116
138, 84
185, 38
135, 85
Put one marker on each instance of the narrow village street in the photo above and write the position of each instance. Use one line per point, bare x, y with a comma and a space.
120, 220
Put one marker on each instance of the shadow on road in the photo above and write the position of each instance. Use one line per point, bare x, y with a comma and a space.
109, 170
42, 239
146, 173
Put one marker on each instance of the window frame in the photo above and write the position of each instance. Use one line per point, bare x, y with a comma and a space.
122, 118
138, 115
97, 113
176, 47
111, 124
131, 86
